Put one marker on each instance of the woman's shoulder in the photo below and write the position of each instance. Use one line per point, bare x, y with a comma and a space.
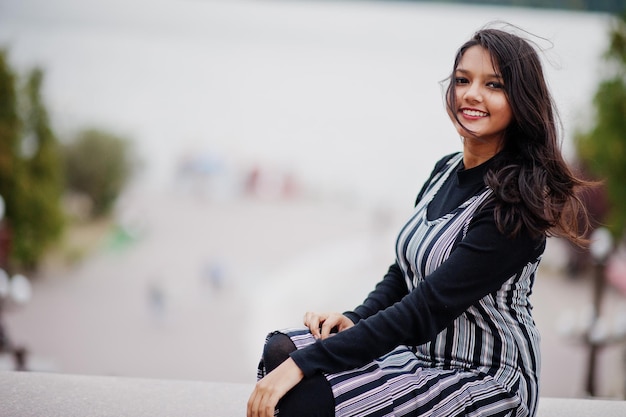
443, 162
447, 158
439, 166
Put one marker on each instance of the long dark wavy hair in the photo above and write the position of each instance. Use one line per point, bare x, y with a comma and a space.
532, 184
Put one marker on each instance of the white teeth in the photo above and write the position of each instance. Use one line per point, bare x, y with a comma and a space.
474, 113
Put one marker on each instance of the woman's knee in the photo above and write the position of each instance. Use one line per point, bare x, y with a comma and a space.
277, 350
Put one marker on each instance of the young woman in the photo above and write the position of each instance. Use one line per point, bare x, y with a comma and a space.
449, 331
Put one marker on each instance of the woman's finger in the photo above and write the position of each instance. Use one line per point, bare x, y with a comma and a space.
262, 402
332, 322
269, 390
313, 321
336, 322
252, 409
321, 325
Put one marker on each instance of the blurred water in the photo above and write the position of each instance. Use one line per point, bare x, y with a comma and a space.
344, 94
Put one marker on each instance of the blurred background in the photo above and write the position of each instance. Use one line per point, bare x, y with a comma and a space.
179, 177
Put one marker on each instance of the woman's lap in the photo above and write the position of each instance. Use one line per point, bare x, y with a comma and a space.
398, 384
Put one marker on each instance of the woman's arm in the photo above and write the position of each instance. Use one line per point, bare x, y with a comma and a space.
478, 266
387, 292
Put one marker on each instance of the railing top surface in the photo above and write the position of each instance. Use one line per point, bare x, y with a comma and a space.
28, 394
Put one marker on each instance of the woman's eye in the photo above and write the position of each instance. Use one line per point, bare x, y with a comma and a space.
460, 80
494, 84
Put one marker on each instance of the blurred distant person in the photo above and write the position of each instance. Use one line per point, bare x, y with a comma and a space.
213, 274
19, 355
156, 298
448, 331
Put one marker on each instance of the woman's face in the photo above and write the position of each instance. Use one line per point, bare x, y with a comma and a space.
481, 104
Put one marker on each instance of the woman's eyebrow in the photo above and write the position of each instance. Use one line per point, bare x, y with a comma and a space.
464, 71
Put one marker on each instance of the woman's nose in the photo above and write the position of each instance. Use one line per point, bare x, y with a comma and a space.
473, 93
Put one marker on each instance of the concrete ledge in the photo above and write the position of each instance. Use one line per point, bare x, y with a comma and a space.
575, 407
27, 394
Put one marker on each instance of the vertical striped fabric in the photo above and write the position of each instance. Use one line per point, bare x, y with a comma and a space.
483, 364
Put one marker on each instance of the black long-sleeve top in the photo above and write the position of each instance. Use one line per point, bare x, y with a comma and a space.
474, 273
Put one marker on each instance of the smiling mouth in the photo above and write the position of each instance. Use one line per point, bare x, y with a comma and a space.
474, 113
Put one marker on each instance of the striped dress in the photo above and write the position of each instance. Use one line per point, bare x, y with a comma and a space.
456, 338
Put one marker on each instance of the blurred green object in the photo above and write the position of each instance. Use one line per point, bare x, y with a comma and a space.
119, 239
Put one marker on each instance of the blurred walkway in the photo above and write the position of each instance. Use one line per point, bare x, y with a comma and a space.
194, 294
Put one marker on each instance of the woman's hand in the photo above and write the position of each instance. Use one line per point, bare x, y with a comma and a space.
272, 388
322, 324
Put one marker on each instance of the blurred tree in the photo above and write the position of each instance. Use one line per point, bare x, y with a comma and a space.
10, 127
30, 180
41, 218
603, 148
98, 165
